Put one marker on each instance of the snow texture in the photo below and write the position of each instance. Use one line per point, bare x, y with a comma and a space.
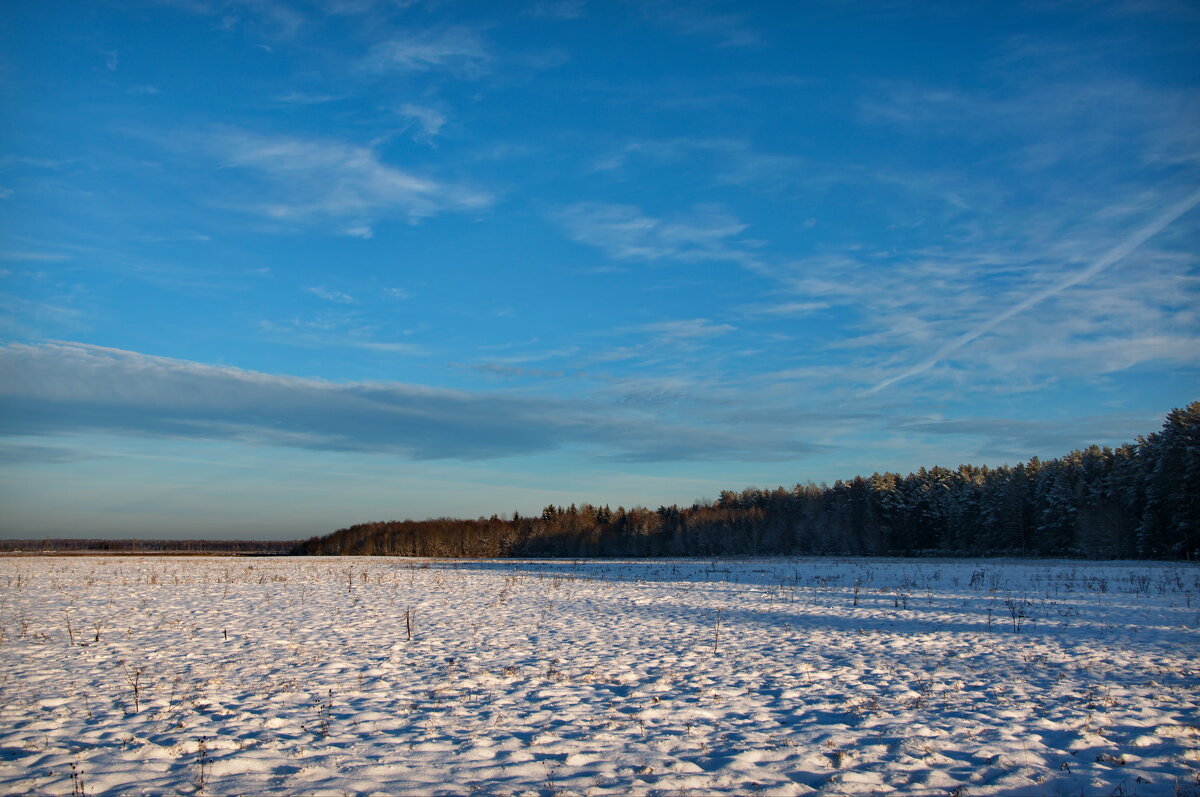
127, 675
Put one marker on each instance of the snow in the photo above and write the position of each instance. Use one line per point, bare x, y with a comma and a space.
671, 677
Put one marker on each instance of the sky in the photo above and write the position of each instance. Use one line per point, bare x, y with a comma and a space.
272, 267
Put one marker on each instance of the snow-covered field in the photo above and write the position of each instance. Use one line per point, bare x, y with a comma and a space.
126, 675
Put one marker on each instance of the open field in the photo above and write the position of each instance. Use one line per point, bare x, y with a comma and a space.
202, 675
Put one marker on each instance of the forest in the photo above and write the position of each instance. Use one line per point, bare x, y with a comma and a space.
1140, 500
79, 545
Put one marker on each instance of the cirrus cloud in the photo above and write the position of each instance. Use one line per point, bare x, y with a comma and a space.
303, 181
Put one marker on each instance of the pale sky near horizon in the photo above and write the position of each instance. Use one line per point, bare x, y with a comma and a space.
272, 267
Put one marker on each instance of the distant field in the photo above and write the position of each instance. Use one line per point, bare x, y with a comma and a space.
125, 675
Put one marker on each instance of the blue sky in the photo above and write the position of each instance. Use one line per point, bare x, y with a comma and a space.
269, 268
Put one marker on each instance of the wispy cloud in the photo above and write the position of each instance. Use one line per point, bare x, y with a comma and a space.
730, 161
557, 9
1017, 439
782, 309
330, 295
387, 347
501, 370
306, 98
1122, 250
624, 232
304, 180
700, 19
340, 329
272, 18
428, 120
685, 330
65, 311
1047, 119
458, 50
362, 231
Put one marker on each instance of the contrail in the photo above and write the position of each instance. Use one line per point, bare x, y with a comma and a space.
1124, 249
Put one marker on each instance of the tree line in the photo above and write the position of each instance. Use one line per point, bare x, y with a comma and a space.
1139, 500
78, 545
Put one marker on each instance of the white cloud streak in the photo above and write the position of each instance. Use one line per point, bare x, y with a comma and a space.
686, 330
695, 19
456, 50
430, 120
557, 9
782, 309
1122, 250
330, 295
304, 180
624, 232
